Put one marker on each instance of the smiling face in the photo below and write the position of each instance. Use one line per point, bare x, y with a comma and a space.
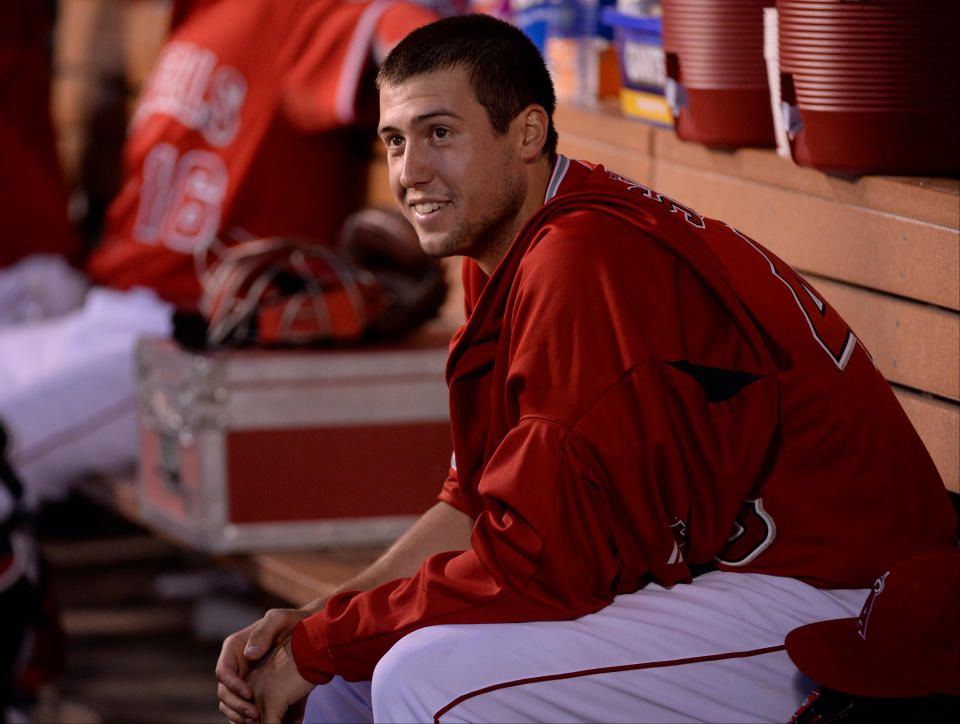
465, 189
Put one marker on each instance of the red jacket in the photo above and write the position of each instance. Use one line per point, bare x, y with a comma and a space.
637, 389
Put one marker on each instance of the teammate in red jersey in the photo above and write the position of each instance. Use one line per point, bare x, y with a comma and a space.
669, 450
249, 126
253, 123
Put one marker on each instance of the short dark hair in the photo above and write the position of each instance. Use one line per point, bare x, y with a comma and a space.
506, 70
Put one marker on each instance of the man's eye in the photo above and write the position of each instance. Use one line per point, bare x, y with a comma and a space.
394, 141
441, 132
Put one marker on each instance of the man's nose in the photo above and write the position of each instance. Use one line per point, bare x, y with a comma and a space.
415, 166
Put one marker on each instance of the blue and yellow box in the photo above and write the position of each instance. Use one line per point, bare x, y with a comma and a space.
643, 74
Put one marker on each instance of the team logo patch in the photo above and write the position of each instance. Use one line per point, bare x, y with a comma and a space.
679, 529
753, 532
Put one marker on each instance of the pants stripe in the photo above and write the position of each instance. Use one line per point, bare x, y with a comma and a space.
604, 670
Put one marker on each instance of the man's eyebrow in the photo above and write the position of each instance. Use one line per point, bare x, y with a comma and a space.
417, 120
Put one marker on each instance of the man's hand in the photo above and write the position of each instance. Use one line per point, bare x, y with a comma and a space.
442, 528
241, 651
277, 685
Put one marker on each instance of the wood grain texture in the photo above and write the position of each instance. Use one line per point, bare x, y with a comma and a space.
870, 248
915, 345
938, 424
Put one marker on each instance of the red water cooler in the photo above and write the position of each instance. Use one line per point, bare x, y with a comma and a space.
716, 73
874, 84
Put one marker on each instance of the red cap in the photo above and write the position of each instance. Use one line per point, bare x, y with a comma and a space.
906, 641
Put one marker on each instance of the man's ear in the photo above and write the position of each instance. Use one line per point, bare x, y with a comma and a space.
533, 124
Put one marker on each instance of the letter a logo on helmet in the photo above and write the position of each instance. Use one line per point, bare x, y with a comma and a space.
281, 291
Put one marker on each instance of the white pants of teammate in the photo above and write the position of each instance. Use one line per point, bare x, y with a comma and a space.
66, 390
710, 651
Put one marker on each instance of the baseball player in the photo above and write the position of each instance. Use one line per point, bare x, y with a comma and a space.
669, 450
251, 124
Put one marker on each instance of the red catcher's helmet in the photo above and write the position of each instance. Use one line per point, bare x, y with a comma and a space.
284, 291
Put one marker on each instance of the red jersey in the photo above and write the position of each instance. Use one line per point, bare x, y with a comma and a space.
251, 124
33, 196
639, 389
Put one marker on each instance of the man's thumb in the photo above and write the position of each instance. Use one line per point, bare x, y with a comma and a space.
258, 644
253, 651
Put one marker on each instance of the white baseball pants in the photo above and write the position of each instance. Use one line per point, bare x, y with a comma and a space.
710, 651
66, 390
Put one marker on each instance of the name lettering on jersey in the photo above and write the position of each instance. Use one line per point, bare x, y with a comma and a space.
679, 529
186, 84
828, 328
673, 206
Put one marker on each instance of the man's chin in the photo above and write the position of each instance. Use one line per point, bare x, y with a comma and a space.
435, 245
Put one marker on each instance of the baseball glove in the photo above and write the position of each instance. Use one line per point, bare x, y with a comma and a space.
383, 243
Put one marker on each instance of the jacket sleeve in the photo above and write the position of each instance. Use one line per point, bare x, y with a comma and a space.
561, 535
526, 563
451, 494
